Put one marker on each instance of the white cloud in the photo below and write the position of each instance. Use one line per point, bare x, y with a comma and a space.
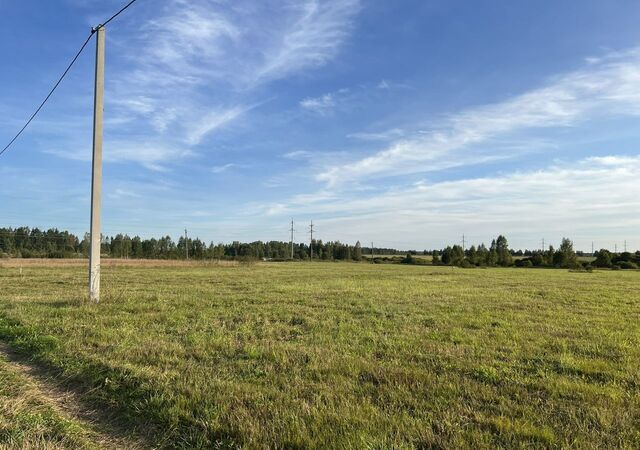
387, 135
151, 155
189, 32
120, 193
311, 39
212, 121
298, 155
611, 87
326, 104
322, 105
195, 64
223, 168
574, 199
384, 84
387, 85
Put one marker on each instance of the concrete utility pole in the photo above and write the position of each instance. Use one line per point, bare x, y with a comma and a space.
291, 238
186, 243
464, 242
311, 242
543, 249
96, 173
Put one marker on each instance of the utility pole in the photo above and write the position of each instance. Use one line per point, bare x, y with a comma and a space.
615, 246
592, 250
543, 245
96, 171
463, 243
372, 252
625, 246
292, 238
186, 243
311, 242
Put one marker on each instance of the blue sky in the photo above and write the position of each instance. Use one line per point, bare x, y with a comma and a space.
406, 123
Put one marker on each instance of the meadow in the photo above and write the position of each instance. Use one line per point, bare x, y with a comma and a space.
323, 355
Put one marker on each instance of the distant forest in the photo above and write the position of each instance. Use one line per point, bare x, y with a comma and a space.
25, 242
500, 255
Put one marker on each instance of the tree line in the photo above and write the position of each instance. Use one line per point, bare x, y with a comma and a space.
498, 254
25, 242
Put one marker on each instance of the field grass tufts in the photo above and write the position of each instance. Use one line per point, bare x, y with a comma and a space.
339, 355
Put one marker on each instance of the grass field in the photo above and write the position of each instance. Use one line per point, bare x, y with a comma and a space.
28, 421
329, 355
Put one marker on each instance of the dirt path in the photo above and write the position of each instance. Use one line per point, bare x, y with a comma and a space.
66, 402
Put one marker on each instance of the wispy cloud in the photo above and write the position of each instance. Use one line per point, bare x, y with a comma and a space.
311, 39
387, 135
120, 193
298, 155
212, 121
608, 87
389, 85
384, 84
193, 67
322, 105
226, 167
188, 33
325, 104
567, 199
151, 155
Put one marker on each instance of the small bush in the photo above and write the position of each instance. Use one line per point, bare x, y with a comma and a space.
409, 259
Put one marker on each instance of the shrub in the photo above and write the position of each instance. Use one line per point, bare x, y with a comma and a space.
465, 264
603, 258
524, 262
537, 259
409, 259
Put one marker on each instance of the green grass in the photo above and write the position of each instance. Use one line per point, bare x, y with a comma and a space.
27, 420
343, 355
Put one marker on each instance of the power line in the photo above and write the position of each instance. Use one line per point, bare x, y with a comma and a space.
33, 116
118, 13
64, 74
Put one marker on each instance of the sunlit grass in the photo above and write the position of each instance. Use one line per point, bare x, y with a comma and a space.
28, 421
338, 355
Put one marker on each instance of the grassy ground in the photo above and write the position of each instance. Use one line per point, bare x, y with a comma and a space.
28, 420
342, 355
